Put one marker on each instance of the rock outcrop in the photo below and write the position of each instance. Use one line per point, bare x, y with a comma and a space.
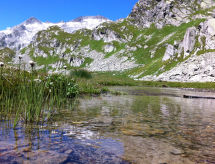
163, 12
107, 35
170, 52
200, 67
109, 48
196, 68
189, 41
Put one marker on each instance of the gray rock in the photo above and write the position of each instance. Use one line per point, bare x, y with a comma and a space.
109, 48
205, 3
116, 62
102, 33
189, 41
176, 152
195, 69
170, 52
162, 12
207, 31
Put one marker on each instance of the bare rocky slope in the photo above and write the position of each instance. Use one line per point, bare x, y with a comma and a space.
168, 40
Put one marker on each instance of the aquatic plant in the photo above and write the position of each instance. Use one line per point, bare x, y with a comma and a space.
32, 97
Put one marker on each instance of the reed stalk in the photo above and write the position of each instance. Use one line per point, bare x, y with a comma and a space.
26, 98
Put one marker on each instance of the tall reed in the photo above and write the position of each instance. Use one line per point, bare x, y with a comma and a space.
32, 97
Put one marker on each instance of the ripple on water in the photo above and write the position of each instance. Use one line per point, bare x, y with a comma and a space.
149, 125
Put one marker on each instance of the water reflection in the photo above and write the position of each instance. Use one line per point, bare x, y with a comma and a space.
149, 125
55, 145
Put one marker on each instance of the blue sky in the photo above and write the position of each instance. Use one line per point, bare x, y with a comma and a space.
13, 12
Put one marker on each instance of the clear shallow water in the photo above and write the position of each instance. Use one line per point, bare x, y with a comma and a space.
148, 125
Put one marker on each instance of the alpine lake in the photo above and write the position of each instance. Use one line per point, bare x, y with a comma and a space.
144, 126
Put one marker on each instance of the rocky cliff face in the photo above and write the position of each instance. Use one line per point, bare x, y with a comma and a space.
168, 12
170, 40
200, 66
189, 59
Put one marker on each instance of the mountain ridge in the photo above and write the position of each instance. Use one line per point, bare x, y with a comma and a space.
21, 35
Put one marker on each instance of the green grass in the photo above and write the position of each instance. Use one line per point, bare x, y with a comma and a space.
45, 49
197, 85
112, 79
46, 60
80, 73
22, 51
68, 51
103, 79
87, 61
99, 82
6, 55
97, 45
205, 51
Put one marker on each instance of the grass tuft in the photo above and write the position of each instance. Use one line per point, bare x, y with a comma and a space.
80, 73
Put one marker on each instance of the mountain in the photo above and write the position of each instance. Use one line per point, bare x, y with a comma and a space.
170, 40
21, 35
32, 20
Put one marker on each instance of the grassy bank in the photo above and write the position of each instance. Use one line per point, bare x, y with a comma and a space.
197, 85
117, 79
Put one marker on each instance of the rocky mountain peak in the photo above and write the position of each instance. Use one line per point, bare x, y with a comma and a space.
174, 12
32, 20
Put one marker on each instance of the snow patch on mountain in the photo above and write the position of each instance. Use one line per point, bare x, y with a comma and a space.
89, 22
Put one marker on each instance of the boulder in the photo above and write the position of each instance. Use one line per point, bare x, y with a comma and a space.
109, 48
170, 51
